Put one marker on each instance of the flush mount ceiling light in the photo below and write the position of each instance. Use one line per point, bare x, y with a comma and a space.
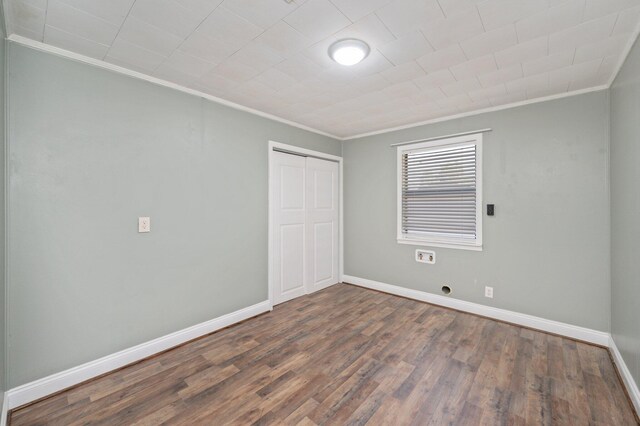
349, 51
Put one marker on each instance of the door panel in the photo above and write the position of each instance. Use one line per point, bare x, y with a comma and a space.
305, 214
323, 194
288, 195
323, 214
292, 187
323, 253
292, 249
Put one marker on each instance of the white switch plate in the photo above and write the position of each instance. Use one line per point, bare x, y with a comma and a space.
425, 256
488, 292
144, 224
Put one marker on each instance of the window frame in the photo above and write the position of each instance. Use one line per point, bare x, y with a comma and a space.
430, 241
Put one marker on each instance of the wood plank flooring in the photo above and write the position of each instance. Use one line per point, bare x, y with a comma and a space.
352, 356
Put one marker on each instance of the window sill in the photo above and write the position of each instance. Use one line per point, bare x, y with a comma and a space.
425, 243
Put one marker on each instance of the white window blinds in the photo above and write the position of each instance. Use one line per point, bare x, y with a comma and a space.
439, 192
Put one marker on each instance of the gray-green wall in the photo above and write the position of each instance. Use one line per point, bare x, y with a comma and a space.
90, 151
625, 211
2, 207
546, 250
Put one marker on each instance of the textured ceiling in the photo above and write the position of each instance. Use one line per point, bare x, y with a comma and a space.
429, 58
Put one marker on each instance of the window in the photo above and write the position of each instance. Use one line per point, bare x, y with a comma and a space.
440, 193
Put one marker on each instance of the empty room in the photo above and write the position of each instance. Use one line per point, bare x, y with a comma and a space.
320, 212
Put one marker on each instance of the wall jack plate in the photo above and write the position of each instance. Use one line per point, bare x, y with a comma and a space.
488, 292
144, 224
425, 256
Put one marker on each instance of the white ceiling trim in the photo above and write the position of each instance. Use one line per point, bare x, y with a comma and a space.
111, 67
480, 111
115, 68
625, 54
6, 22
623, 58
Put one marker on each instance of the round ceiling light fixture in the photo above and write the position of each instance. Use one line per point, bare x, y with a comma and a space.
348, 51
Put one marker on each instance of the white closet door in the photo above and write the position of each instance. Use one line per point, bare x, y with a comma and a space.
323, 229
288, 194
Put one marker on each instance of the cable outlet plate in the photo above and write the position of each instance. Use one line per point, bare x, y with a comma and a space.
425, 256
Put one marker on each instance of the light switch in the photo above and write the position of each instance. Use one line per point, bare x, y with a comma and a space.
144, 224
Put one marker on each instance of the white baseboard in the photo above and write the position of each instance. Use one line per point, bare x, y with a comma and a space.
5, 409
627, 378
29, 392
575, 332
56, 382
555, 327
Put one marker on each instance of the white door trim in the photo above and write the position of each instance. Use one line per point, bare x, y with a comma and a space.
318, 154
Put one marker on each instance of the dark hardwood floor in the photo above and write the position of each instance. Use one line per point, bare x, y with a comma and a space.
348, 355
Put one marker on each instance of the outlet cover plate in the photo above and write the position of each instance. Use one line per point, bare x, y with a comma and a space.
144, 224
425, 256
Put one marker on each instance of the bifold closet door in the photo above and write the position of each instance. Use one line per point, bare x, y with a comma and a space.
305, 235
323, 227
288, 196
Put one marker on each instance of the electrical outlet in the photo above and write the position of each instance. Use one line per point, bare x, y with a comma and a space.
488, 292
144, 224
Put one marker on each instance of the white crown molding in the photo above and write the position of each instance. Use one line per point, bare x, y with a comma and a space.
37, 389
627, 378
625, 55
126, 71
6, 23
115, 68
479, 111
568, 330
623, 59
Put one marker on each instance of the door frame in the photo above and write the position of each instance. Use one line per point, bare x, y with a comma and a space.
305, 152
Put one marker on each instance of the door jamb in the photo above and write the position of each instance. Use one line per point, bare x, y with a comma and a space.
318, 154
